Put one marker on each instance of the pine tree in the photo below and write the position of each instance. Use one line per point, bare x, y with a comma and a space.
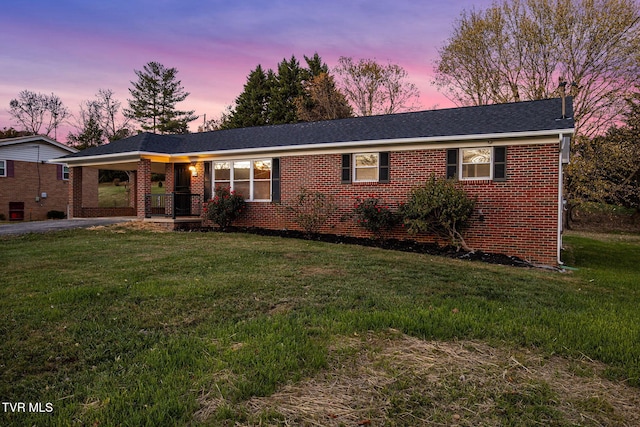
251, 104
285, 88
155, 96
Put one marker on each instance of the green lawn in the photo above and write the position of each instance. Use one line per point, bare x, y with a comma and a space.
122, 327
112, 196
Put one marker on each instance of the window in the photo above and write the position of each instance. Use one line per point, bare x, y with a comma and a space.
365, 167
481, 163
3, 168
65, 173
476, 163
249, 178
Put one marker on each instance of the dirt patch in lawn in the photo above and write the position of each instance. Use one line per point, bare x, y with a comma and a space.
133, 225
395, 379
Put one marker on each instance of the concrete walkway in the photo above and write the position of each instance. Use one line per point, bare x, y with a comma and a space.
16, 228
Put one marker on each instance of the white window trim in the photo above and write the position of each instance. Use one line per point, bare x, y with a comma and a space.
475, 178
251, 177
3, 174
355, 168
65, 173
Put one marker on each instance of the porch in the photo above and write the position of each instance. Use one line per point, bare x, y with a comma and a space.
180, 207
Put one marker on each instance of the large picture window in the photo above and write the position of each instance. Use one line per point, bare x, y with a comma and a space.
249, 178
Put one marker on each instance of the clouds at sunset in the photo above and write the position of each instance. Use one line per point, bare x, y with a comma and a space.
74, 47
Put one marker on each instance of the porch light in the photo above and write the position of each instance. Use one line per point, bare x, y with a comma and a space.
194, 170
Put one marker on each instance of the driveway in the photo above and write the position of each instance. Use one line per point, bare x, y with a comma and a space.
15, 228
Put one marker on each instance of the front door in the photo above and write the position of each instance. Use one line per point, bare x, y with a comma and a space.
182, 189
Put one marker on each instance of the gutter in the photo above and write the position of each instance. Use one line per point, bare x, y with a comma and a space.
349, 145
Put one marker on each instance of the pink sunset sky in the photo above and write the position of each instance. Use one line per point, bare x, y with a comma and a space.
75, 47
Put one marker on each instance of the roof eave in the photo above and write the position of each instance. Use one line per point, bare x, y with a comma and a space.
381, 142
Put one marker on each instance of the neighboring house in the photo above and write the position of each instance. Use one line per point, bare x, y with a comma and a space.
29, 186
509, 156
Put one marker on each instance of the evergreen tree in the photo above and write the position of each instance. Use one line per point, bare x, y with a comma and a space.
285, 88
154, 99
251, 104
277, 97
91, 135
315, 67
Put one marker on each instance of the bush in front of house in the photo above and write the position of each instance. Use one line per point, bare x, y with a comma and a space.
440, 207
225, 207
56, 215
311, 210
375, 216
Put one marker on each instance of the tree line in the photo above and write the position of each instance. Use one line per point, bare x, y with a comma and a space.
289, 94
515, 50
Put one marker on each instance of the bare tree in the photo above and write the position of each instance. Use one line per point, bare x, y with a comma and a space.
375, 89
34, 110
114, 125
518, 50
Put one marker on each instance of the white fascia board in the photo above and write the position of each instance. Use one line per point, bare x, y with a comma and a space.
433, 142
110, 158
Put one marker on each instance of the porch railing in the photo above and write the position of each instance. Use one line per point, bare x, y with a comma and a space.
172, 205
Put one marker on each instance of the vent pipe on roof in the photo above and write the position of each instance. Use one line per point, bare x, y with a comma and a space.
562, 86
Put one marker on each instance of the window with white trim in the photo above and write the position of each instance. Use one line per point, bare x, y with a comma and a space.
365, 167
3, 168
65, 172
249, 178
475, 163
481, 163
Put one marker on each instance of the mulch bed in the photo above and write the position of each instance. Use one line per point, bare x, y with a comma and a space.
392, 244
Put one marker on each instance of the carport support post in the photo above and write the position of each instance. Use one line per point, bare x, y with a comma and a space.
75, 192
143, 186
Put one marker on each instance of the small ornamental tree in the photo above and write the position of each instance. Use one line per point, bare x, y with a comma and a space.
439, 207
225, 207
311, 210
375, 216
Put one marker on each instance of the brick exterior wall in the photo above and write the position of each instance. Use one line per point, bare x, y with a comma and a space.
519, 216
30, 180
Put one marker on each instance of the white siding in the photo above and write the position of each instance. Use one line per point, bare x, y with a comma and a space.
31, 152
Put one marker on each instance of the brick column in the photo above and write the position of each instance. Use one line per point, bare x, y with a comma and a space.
75, 192
197, 187
168, 187
143, 186
133, 197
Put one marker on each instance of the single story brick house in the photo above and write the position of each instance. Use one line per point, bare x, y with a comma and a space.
29, 186
509, 156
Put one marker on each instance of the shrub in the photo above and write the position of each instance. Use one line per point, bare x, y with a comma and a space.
225, 207
311, 210
375, 216
440, 207
56, 215
3, 217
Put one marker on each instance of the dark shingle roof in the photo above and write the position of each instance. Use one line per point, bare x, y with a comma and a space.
530, 116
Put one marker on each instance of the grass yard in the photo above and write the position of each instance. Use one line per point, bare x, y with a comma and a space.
115, 326
113, 196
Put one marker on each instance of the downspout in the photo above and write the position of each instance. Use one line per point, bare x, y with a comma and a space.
563, 158
560, 204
